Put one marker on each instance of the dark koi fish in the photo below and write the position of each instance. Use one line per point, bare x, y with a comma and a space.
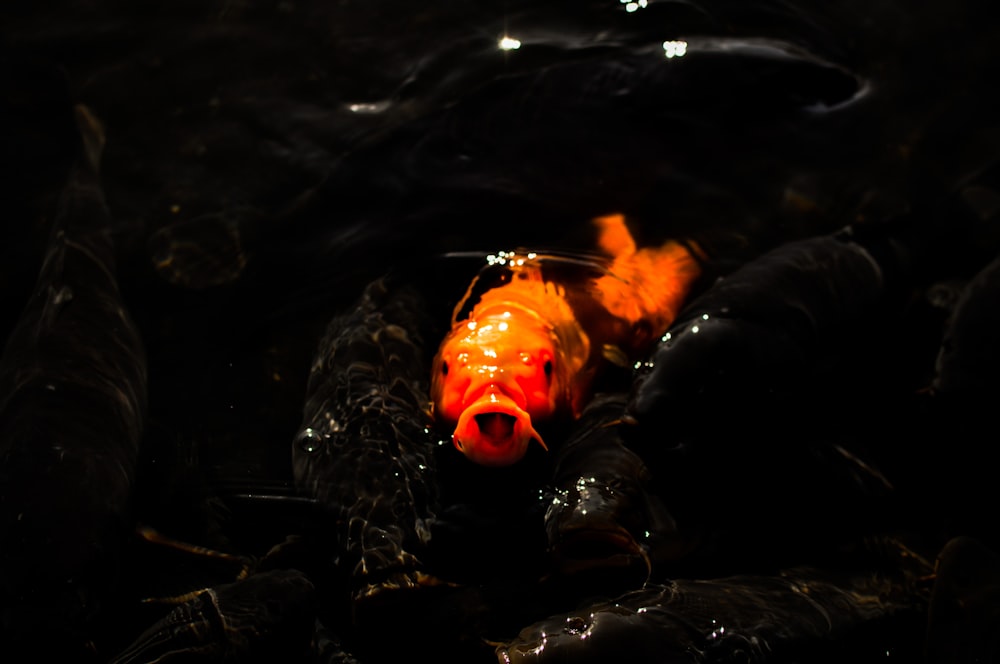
524, 355
267, 616
756, 327
744, 617
363, 450
72, 404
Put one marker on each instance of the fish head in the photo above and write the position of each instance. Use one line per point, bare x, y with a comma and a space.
494, 376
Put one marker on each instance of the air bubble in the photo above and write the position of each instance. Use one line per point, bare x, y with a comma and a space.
309, 441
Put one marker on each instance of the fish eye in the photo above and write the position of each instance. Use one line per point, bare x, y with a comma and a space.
444, 368
547, 368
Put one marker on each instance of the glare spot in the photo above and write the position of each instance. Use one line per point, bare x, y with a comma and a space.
502, 326
500, 258
367, 108
471, 325
704, 316
540, 647
665, 337
508, 43
674, 48
694, 329
532, 255
489, 352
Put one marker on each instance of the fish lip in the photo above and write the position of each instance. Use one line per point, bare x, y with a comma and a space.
615, 537
588, 549
489, 451
496, 389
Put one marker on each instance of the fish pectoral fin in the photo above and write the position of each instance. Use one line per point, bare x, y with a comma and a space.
615, 355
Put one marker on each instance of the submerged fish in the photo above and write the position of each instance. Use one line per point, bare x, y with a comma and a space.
363, 451
72, 411
267, 616
755, 329
738, 618
528, 349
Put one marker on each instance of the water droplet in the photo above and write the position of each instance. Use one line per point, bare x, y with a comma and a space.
309, 440
575, 624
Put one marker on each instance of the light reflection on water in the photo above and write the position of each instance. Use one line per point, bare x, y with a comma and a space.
508, 43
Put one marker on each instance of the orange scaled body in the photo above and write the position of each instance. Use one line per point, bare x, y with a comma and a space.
522, 356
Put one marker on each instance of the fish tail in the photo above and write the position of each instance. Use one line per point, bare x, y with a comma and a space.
649, 284
667, 281
614, 237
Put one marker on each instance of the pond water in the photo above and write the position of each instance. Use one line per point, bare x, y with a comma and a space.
266, 161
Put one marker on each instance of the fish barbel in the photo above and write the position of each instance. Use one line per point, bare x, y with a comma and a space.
524, 355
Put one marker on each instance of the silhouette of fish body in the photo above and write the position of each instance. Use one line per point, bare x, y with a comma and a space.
72, 404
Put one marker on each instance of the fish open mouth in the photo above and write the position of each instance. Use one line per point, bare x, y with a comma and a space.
494, 431
496, 428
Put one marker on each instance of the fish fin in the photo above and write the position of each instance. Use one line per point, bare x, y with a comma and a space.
92, 134
537, 436
614, 354
615, 238
649, 285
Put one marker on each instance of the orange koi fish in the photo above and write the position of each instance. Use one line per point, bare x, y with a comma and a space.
523, 355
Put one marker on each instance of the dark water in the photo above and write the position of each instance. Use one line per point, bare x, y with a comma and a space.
265, 161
